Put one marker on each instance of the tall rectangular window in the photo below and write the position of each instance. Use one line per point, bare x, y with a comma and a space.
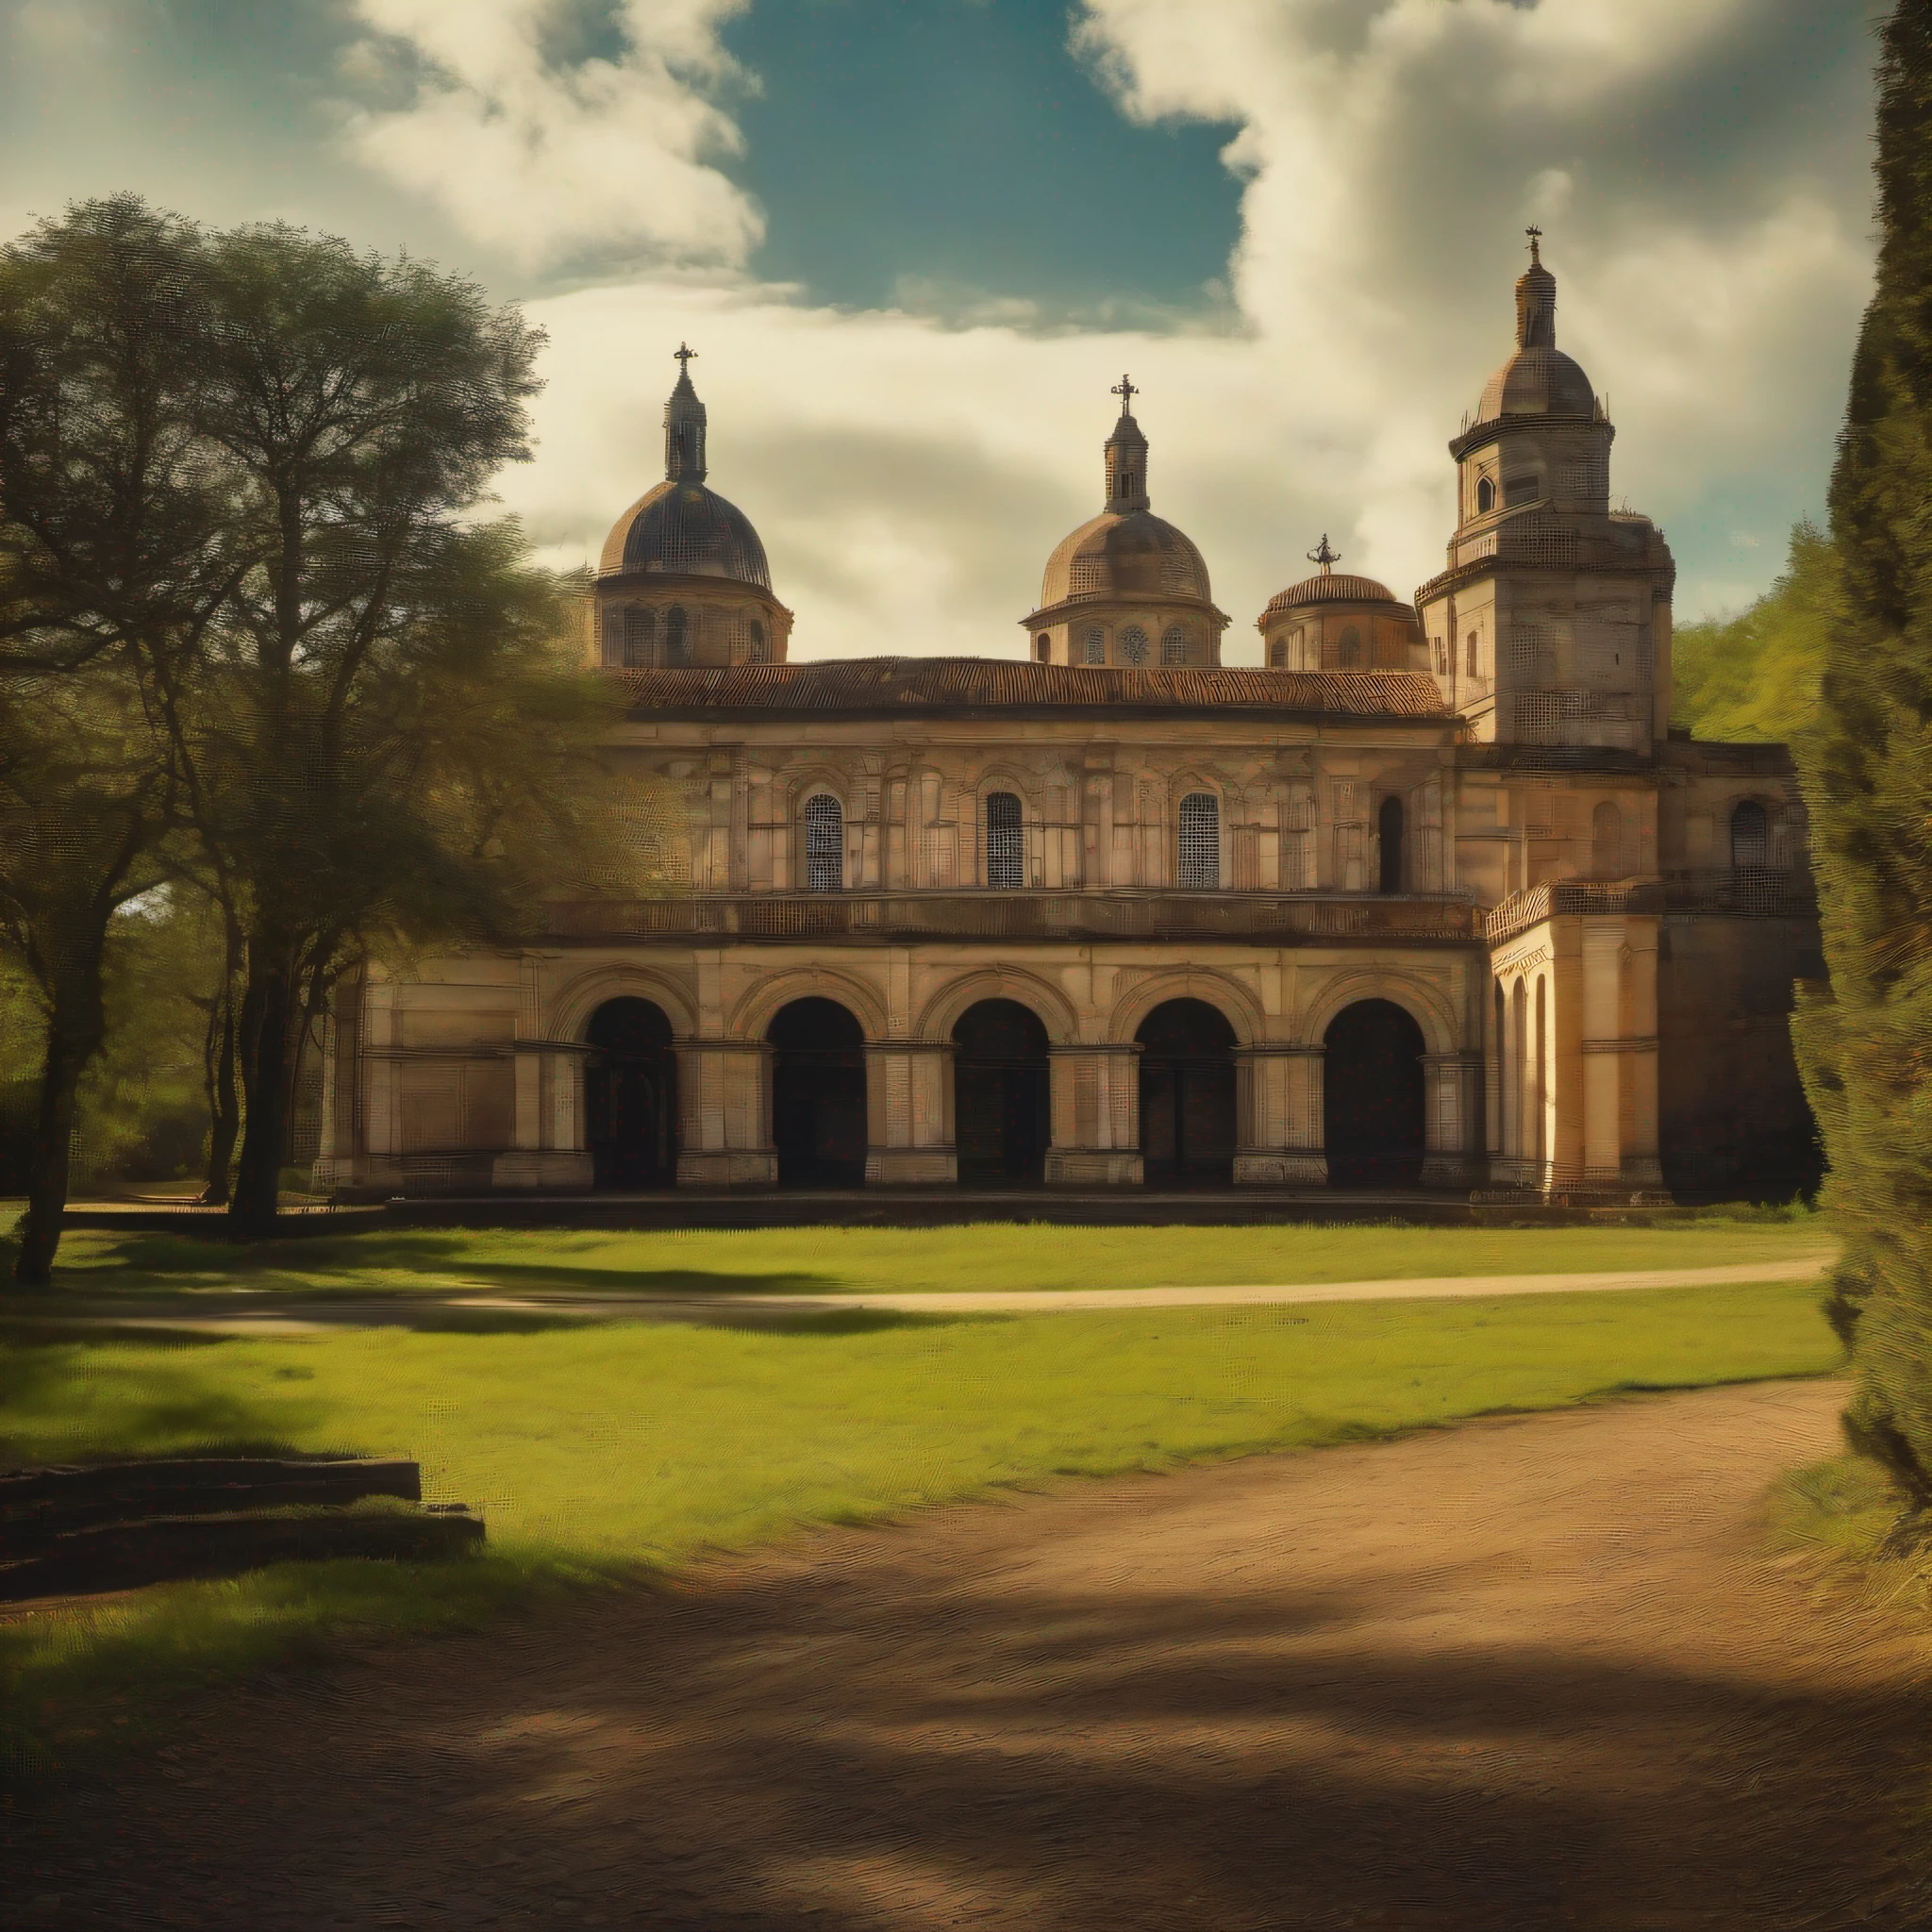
1005, 855
825, 844
1200, 842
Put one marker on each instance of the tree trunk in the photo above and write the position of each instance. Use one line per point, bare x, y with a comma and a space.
221, 1075
73, 1039
267, 1009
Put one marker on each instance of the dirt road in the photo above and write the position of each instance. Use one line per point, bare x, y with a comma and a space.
1531, 1673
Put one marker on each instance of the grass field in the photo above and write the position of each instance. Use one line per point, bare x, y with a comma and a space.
832, 1260
599, 1453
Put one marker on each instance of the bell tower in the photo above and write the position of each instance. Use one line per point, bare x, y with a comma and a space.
1551, 625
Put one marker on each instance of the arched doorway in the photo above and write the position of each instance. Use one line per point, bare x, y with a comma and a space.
630, 1096
818, 1095
1187, 1094
1373, 1098
1000, 1092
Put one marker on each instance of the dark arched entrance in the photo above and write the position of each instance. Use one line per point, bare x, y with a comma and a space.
630, 1096
1187, 1094
1373, 1098
818, 1095
1000, 1089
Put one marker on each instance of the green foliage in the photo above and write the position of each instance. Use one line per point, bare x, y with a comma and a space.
1865, 1041
613, 1449
1755, 677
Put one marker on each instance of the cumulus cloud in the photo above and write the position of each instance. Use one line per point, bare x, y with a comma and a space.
547, 152
1699, 164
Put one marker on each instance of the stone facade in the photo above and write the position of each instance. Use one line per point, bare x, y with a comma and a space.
1434, 898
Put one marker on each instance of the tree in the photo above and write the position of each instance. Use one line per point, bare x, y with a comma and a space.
111, 559
1756, 677
84, 803
1866, 1043
387, 738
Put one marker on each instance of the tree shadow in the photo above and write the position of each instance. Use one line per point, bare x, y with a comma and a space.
785, 1750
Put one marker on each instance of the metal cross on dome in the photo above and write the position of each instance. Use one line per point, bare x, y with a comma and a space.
683, 355
1126, 392
1536, 254
1326, 557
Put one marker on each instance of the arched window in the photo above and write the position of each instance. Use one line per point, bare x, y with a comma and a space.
1199, 866
1006, 853
1133, 645
1750, 837
758, 641
1606, 842
1096, 646
1485, 498
825, 844
677, 636
1349, 653
1042, 647
1388, 828
639, 633
1174, 645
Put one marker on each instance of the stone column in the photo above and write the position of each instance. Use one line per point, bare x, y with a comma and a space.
1096, 1116
909, 1109
547, 1152
1452, 1120
1279, 1110
725, 1114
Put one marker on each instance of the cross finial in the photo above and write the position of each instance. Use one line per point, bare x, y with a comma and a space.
1126, 392
683, 354
1536, 254
1326, 557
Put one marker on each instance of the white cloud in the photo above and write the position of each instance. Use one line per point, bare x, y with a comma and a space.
544, 157
909, 475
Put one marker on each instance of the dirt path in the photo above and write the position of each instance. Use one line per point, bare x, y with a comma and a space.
1529, 1674
454, 1307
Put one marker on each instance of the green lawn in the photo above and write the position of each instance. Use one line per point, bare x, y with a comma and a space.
597, 1451
830, 1260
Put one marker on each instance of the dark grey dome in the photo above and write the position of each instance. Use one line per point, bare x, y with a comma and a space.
1537, 382
684, 526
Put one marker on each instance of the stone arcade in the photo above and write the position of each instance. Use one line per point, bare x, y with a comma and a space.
1436, 897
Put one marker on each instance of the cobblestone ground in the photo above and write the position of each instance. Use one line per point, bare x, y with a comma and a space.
1531, 1673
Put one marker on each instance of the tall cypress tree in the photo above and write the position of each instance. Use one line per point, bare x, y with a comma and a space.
1867, 1045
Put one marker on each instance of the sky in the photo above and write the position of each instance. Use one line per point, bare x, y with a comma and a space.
915, 242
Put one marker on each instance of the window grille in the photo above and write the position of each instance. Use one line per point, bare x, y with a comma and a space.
1006, 857
639, 628
677, 636
1349, 655
825, 844
1174, 645
1133, 645
1096, 647
758, 641
1200, 842
1277, 655
1472, 636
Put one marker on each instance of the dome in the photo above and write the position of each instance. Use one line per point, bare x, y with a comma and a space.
1538, 382
1124, 553
683, 526
1332, 588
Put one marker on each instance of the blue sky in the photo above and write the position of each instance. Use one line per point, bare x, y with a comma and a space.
915, 240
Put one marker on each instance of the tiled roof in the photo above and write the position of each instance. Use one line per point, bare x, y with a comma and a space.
1008, 684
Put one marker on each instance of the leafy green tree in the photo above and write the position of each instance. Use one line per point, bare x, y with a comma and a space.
111, 560
1755, 677
1867, 1042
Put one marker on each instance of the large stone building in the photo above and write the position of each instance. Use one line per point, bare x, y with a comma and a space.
1435, 897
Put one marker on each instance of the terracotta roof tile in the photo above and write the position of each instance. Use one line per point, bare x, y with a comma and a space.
951, 684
